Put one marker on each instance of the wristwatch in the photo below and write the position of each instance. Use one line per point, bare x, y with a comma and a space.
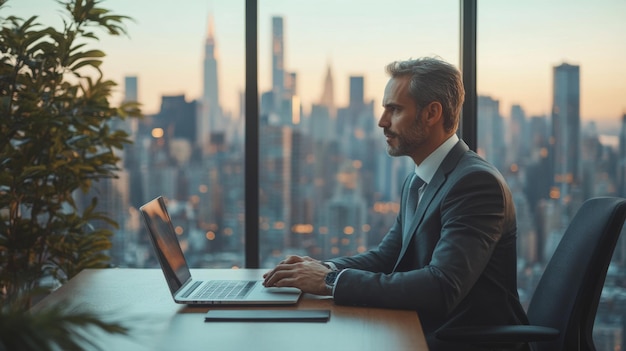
330, 279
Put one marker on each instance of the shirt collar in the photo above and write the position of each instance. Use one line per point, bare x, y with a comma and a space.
426, 170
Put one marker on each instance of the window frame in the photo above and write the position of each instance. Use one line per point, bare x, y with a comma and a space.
467, 130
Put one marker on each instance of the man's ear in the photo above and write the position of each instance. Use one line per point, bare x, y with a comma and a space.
434, 113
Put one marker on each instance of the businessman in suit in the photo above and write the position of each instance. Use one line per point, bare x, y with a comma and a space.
451, 253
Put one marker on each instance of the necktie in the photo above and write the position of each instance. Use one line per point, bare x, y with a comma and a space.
415, 190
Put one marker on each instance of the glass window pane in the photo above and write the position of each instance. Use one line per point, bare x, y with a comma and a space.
190, 63
185, 65
551, 85
328, 187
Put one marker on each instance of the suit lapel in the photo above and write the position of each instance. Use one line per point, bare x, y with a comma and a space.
448, 164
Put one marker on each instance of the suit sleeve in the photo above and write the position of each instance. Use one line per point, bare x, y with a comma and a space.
472, 219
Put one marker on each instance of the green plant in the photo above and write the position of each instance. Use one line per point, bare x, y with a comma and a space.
55, 139
58, 327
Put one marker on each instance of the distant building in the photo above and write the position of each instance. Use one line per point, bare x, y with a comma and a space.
131, 90
621, 164
357, 91
519, 132
177, 118
132, 160
491, 143
278, 59
328, 94
211, 116
565, 130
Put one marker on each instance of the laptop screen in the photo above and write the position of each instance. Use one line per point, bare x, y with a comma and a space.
165, 243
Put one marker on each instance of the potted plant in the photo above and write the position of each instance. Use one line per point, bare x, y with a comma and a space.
55, 139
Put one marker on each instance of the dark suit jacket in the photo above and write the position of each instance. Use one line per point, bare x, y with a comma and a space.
455, 262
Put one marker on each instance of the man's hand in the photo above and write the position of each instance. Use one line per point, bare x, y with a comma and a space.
304, 273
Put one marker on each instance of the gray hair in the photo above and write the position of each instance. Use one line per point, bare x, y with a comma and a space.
433, 79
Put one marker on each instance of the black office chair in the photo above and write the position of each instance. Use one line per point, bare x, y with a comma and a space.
563, 308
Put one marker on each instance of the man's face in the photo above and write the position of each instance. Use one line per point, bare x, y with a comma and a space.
401, 120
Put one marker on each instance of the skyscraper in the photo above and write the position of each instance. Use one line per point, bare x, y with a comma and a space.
281, 105
322, 117
491, 143
621, 164
211, 116
357, 88
566, 129
278, 59
132, 161
518, 130
328, 94
130, 88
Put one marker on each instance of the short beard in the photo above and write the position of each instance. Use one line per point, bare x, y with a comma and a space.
407, 143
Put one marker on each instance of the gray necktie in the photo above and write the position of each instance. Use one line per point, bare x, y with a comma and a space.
415, 190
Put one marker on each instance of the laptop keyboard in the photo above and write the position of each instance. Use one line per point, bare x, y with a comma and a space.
223, 290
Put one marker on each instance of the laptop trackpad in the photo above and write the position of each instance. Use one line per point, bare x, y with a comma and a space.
282, 290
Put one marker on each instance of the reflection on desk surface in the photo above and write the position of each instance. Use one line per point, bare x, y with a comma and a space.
140, 299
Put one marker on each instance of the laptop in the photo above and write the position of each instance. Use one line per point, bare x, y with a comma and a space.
184, 288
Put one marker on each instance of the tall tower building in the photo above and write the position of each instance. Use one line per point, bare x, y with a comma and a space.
357, 91
130, 126
211, 116
328, 94
621, 168
131, 91
132, 161
348, 117
322, 117
519, 135
114, 194
566, 130
278, 59
491, 143
281, 106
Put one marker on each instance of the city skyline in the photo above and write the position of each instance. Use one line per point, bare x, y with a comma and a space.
165, 48
326, 186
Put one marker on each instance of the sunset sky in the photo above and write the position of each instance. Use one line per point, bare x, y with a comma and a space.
519, 43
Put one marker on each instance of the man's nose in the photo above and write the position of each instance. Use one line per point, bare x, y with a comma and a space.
383, 121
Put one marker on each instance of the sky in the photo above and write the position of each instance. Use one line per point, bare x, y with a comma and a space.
519, 43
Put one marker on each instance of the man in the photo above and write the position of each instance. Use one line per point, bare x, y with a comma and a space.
453, 258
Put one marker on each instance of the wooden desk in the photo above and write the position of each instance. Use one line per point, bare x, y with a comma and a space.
140, 299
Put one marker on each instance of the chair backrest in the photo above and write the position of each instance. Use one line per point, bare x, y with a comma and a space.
567, 295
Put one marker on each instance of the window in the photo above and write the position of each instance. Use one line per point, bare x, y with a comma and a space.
550, 112
327, 185
551, 85
185, 64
